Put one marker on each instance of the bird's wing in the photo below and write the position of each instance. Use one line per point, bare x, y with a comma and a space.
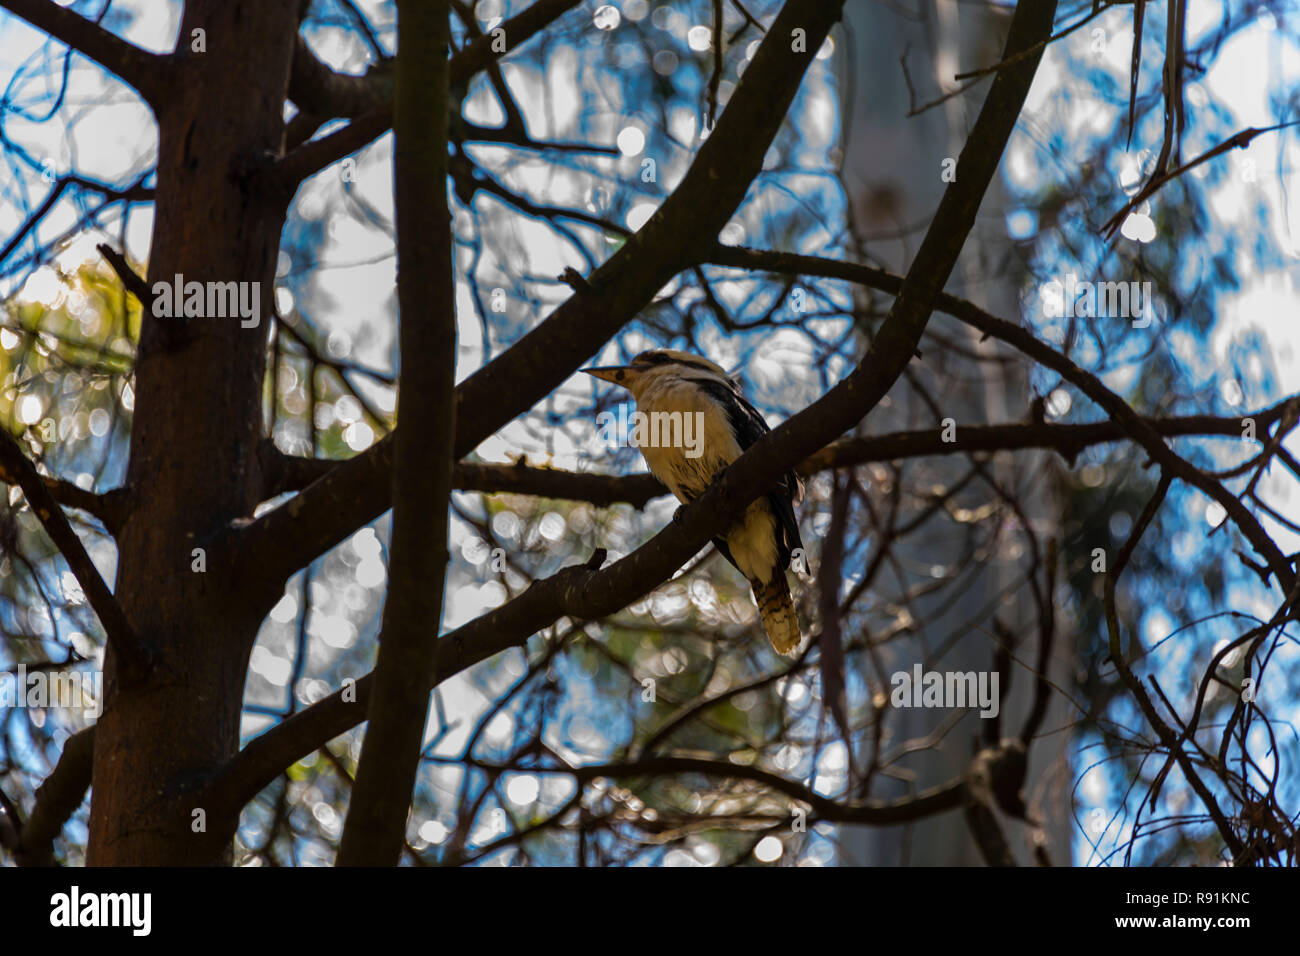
749, 427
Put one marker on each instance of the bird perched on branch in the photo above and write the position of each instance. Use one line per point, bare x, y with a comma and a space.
699, 423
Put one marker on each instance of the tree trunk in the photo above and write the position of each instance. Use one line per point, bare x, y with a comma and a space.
893, 175
193, 465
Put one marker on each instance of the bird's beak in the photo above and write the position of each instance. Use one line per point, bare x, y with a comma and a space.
618, 374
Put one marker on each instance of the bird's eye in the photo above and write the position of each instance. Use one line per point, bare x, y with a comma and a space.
619, 376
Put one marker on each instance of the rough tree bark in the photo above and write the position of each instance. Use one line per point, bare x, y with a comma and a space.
193, 456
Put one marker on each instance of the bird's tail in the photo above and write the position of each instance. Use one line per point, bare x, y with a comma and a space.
776, 611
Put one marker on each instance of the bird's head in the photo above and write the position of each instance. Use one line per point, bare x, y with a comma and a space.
655, 365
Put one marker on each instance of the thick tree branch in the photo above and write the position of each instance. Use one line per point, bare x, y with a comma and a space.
317, 89
146, 72
262, 760
375, 831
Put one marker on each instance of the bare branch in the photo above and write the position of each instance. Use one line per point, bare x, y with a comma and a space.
1120, 660
290, 473
1022, 339
310, 158
131, 279
136, 192
146, 72
1037, 47
935, 800
1239, 140
15, 468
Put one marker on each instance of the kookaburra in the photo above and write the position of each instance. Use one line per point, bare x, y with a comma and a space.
759, 544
